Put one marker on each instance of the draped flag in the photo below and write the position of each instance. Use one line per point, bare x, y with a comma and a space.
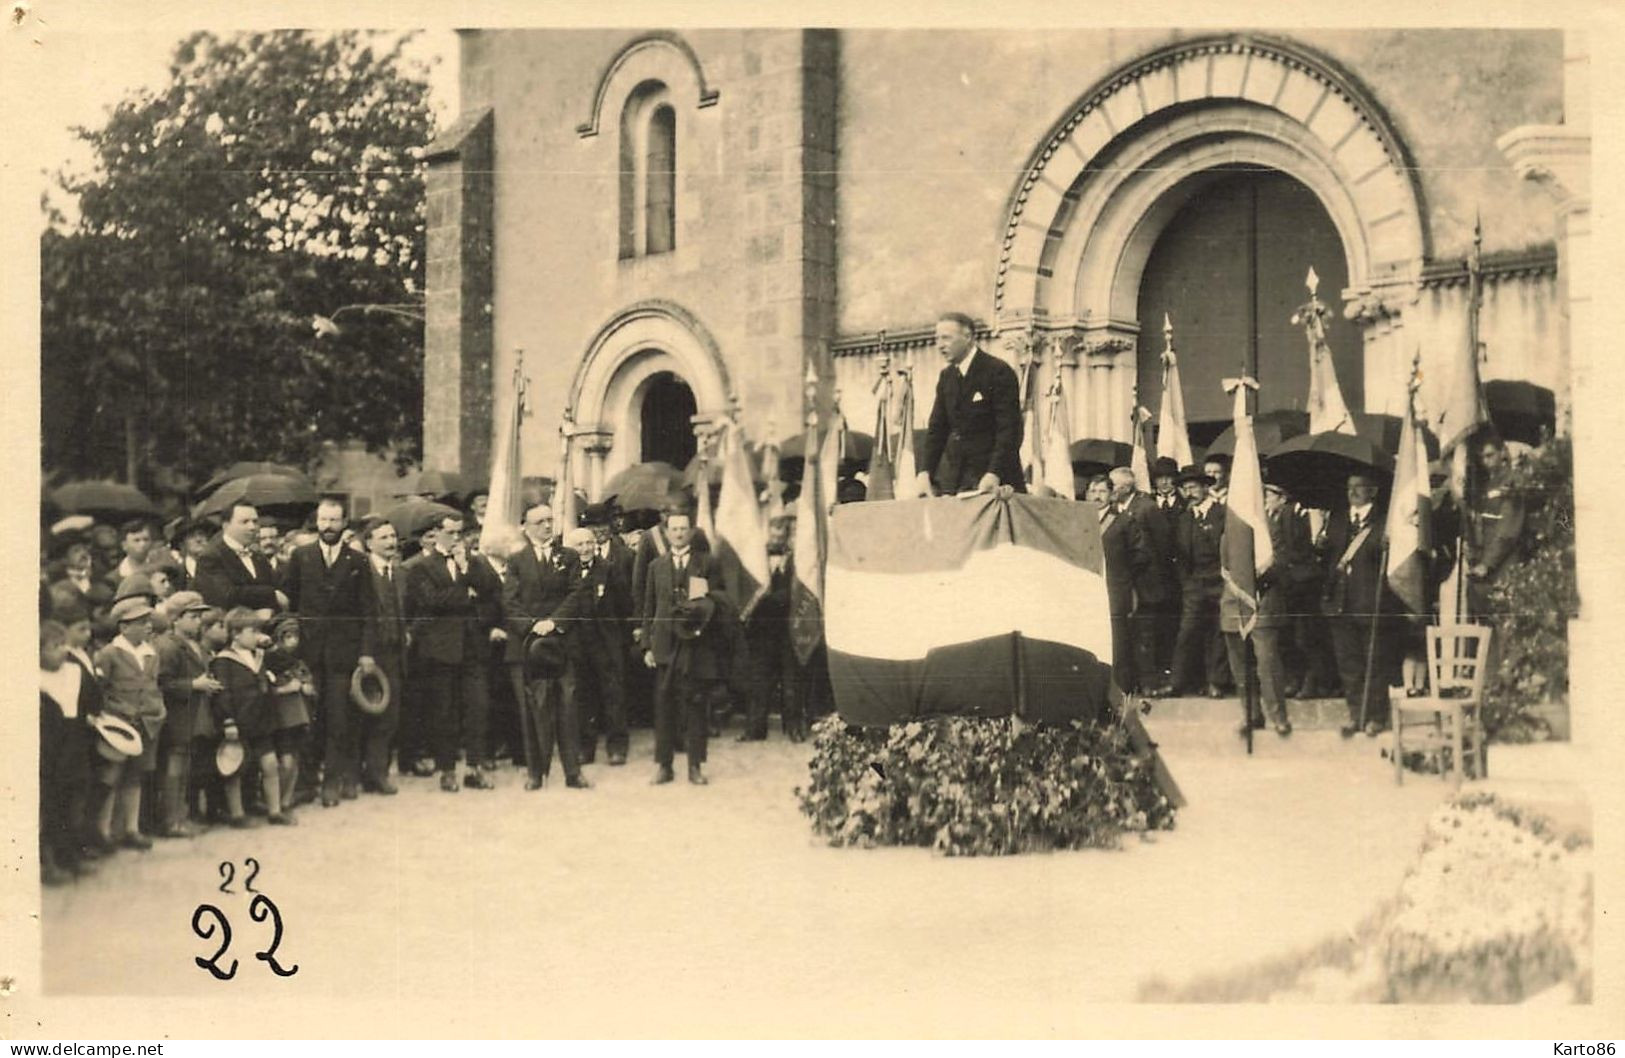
1173, 435
881, 472
1245, 551
1057, 450
740, 542
1463, 410
812, 536
1032, 448
971, 606
773, 491
1140, 457
1327, 411
703, 519
907, 484
502, 511
564, 495
1410, 515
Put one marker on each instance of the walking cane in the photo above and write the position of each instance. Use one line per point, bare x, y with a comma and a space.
1371, 645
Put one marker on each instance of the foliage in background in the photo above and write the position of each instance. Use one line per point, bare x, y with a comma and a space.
1534, 598
277, 176
969, 786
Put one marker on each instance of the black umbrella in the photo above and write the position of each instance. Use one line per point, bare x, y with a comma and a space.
1093, 456
1270, 428
261, 490
858, 446
414, 514
246, 468
645, 486
110, 500
1314, 468
1521, 411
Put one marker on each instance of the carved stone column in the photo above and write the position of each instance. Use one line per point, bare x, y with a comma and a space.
1381, 319
595, 443
1110, 381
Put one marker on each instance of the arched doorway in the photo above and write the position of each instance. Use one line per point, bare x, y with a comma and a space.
1228, 270
666, 419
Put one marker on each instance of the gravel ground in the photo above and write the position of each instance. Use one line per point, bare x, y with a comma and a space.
630, 909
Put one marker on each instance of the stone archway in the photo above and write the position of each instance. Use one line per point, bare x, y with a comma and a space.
1098, 192
632, 353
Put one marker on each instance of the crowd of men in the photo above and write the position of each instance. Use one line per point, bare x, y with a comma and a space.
234, 671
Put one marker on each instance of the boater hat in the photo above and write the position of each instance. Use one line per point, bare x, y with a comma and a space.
119, 739
372, 703
228, 757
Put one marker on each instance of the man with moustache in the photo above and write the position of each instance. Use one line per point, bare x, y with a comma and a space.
973, 440
545, 573
383, 649
1154, 574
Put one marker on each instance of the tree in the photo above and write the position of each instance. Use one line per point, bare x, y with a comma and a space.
276, 177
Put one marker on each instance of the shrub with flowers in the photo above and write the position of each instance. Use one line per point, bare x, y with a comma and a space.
969, 786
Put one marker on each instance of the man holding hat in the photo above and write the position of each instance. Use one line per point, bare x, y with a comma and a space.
1198, 545
1354, 598
683, 646
544, 573
383, 649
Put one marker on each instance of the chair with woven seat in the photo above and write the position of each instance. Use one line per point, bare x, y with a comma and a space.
1450, 716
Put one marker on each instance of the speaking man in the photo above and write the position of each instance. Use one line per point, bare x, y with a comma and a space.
973, 442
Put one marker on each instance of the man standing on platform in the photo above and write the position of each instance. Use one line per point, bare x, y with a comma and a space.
973, 441
1353, 600
1198, 650
1169, 508
1154, 574
1497, 518
323, 581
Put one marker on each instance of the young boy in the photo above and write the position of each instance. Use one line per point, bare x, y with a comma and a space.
183, 676
245, 714
291, 688
129, 672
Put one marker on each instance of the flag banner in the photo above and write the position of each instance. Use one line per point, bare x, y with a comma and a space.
502, 513
1328, 412
773, 490
906, 486
811, 542
879, 486
1173, 434
969, 606
703, 518
1031, 453
1057, 461
1410, 519
740, 541
1140, 458
1245, 550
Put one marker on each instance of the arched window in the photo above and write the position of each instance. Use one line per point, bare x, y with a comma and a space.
648, 183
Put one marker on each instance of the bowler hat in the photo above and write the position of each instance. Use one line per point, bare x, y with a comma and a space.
544, 657
119, 738
1165, 467
130, 609
228, 757
601, 513
377, 700
1193, 474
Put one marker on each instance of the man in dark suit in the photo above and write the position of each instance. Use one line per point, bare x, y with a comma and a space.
1198, 542
445, 620
230, 572
1168, 507
608, 563
383, 648
973, 441
684, 644
544, 574
775, 677
1353, 598
1122, 549
1154, 576
324, 580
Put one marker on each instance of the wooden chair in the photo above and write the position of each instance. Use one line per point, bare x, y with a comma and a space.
1450, 716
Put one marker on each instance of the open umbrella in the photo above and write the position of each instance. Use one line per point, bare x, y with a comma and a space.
1314, 468
1270, 428
110, 500
645, 486
1093, 455
713, 469
440, 484
245, 469
414, 514
261, 490
859, 445
1521, 411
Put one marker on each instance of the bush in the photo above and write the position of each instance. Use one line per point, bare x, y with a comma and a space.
1533, 599
969, 786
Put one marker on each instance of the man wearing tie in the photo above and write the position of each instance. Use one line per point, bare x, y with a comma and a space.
383, 649
1198, 540
323, 580
973, 442
1353, 600
690, 668
229, 571
544, 574
774, 674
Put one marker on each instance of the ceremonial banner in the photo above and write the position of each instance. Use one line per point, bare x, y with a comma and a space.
907, 484
502, 504
1140, 457
1410, 518
741, 539
1245, 552
1328, 412
1057, 448
1173, 435
812, 538
973, 606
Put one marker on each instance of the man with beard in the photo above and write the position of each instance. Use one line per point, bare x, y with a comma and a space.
324, 581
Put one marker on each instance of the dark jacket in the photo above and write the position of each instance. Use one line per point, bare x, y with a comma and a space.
1155, 575
665, 590
328, 602
651, 547
443, 609
224, 581
383, 613
975, 426
593, 616
1121, 549
1198, 543
1356, 586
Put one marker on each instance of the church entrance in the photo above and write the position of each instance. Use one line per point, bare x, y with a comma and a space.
1228, 270
666, 418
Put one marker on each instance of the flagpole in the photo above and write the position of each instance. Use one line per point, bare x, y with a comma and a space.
1376, 621
1466, 530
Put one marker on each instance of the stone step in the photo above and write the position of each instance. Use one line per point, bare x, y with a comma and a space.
1305, 713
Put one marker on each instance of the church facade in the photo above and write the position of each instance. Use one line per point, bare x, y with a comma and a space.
660, 229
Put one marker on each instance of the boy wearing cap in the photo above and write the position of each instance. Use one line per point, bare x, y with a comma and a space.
183, 677
129, 672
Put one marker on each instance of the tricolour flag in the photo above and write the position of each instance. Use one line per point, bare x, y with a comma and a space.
812, 536
1173, 436
1245, 551
1140, 457
703, 518
1410, 517
741, 538
1057, 460
973, 606
907, 484
502, 511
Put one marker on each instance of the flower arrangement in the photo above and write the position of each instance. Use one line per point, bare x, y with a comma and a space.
969, 786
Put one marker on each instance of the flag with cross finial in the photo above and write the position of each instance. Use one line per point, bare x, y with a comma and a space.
1173, 436
1410, 511
1328, 413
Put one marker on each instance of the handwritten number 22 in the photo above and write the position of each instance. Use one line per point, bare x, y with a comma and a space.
228, 871
259, 910
206, 930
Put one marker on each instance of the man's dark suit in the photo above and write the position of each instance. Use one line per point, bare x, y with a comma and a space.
1199, 649
383, 638
449, 647
775, 676
690, 671
1123, 550
975, 426
593, 619
1156, 590
640, 682
536, 587
1355, 599
224, 581
328, 602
